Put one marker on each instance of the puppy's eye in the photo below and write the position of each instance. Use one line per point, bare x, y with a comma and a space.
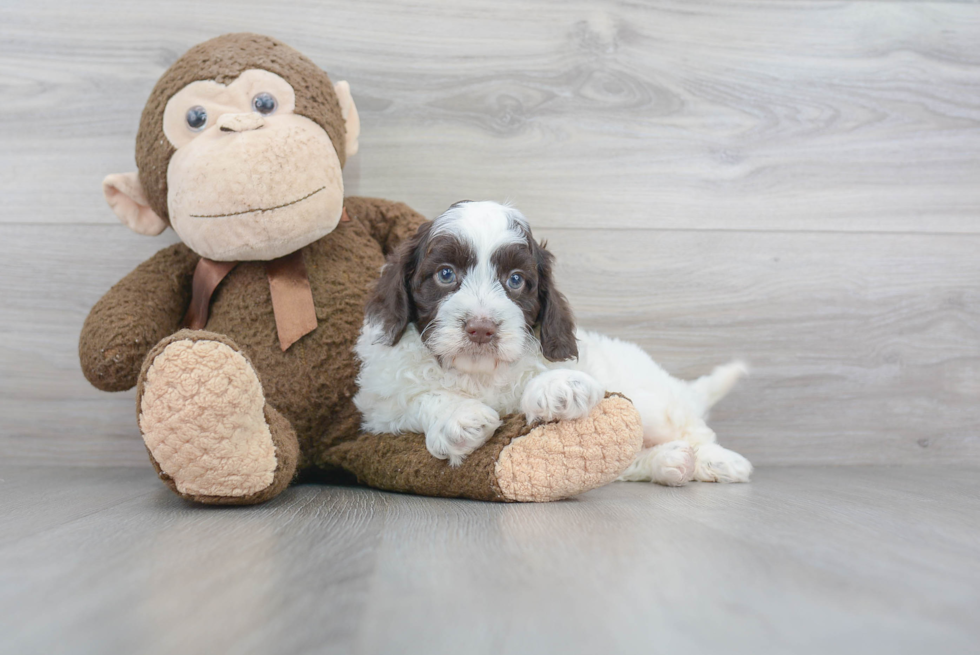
264, 103
515, 281
446, 275
197, 118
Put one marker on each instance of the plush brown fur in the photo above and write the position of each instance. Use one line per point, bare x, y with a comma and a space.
308, 389
369, 457
313, 382
123, 326
283, 435
223, 59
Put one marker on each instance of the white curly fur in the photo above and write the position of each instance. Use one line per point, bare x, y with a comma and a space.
457, 401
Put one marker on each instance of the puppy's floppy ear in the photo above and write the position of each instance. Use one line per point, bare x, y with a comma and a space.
556, 322
391, 304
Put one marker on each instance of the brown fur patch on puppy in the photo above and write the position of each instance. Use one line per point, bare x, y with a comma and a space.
427, 292
221, 60
391, 301
520, 258
543, 305
557, 322
408, 292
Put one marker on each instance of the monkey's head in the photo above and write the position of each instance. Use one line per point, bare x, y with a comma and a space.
240, 150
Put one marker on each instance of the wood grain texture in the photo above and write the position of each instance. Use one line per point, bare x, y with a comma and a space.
710, 115
791, 182
803, 560
871, 359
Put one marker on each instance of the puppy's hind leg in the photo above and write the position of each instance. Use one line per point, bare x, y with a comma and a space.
669, 416
712, 462
671, 464
717, 464
670, 422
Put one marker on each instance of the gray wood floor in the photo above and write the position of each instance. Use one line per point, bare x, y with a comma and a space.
802, 560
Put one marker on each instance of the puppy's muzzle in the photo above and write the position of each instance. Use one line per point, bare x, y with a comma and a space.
481, 330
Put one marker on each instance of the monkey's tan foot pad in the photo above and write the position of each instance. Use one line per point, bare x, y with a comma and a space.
563, 459
201, 412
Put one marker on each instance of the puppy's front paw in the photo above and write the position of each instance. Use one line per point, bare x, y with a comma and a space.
561, 394
467, 428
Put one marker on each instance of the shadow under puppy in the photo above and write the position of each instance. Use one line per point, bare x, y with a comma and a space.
466, 325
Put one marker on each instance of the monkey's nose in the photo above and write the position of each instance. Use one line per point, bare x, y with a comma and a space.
240, 122
481, 330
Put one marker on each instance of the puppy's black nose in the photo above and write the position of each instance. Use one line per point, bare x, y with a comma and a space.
480, 330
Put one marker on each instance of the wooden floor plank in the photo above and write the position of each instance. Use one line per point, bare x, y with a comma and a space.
802, 560
35, 500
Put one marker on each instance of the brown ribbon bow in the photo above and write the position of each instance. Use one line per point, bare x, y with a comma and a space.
289, 284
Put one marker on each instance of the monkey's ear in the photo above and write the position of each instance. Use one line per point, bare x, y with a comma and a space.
352, 122
125, 196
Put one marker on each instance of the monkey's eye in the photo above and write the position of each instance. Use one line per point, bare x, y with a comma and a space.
264, 103
197, 118
515, 282
446, 275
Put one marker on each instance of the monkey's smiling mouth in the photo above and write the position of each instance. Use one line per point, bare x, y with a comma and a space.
263, 209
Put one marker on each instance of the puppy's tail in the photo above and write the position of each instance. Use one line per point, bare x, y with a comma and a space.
713, 387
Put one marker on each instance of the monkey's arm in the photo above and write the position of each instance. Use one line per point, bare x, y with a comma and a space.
143, 308
520, 462
389, 222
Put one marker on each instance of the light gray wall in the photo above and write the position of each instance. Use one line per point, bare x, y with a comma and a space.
795, 183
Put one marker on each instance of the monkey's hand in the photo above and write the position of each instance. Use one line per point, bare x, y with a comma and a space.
143, 308
389, 222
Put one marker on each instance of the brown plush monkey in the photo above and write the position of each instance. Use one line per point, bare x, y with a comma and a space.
240, 150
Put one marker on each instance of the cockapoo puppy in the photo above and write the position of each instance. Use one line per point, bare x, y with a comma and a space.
466, 325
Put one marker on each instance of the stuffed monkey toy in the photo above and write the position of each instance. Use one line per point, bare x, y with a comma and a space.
239, 339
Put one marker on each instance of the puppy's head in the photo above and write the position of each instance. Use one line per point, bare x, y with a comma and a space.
478, 287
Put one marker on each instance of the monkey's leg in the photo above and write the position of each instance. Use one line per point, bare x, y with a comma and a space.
210, 433
520, 463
